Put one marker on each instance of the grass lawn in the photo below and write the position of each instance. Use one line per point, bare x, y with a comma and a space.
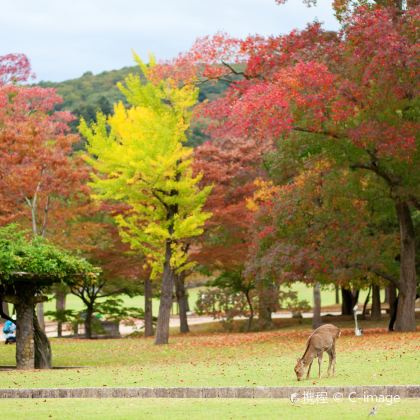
74, 303
221, 359
200, 409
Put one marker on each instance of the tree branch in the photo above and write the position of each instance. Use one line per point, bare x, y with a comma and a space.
234, 71
324, 133
44, 222
385, 276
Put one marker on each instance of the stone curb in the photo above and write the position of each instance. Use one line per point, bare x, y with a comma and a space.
403, 391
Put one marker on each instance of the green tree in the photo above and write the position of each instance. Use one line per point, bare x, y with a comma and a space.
27, 268
140, 159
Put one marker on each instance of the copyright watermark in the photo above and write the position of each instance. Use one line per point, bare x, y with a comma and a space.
312, 397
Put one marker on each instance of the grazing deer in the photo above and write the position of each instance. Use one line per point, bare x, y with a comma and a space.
322, 339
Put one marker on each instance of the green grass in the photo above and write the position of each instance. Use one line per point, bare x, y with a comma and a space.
200, 409
220, 359
74, 303
327, 294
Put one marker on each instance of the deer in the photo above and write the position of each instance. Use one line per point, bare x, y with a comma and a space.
322, 339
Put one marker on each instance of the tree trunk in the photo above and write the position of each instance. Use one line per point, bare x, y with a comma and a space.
349, 299
24, 326
386, 298
375, 312
337, 295
393, 303
60, 307
182, 300
265, 298
40, 314
162, 329
43, 354
251, 311
366, 303
316, 319
407, 285
148, 308
5, 308
88, 321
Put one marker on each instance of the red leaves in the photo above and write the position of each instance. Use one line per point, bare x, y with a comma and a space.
387, 140
231, 165
14, 68
35, 146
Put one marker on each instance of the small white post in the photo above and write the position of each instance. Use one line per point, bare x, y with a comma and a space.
357, 330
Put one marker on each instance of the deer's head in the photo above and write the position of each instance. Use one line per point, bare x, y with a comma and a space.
299, 369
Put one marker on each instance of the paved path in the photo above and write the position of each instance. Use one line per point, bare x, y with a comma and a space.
51, 327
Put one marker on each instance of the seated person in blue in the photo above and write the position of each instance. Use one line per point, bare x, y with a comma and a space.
9, 331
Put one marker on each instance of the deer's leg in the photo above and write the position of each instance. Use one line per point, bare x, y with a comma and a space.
333, 359
319, 363
309, 369
330, 355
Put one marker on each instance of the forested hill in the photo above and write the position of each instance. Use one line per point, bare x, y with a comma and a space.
90, 93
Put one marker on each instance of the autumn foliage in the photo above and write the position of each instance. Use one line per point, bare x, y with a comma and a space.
355, 91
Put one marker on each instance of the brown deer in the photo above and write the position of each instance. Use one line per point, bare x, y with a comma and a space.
322, 339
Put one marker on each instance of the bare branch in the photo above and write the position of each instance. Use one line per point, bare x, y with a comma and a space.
44, 222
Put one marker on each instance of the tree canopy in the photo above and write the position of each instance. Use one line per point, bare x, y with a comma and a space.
38, 260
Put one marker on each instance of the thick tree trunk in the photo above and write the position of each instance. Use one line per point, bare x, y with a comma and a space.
375, 312
148, 308
88, 321
182, 300
43, 354
407, 285
265, 320
40, 315
316, 319
337, 295
162, 329
349, 299
24, 326
265, 304
60, 307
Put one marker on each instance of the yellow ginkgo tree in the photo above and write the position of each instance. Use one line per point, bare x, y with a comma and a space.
140, 159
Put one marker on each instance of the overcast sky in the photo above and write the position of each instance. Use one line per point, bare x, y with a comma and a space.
63, 39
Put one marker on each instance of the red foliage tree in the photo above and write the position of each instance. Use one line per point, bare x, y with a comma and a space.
37, 166
357, 87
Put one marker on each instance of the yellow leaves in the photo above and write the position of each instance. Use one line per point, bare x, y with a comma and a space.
266, 191
140, 159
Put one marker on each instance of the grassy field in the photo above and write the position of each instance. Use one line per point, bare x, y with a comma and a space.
200, 409
221, 359
216, 359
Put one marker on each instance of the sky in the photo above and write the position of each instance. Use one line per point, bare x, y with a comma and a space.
64, 39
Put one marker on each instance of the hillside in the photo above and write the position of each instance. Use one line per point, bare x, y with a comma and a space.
90, 93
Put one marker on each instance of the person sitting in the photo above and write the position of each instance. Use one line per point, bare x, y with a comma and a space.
9, 331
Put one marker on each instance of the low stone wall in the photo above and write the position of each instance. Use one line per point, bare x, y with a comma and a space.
336, 392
